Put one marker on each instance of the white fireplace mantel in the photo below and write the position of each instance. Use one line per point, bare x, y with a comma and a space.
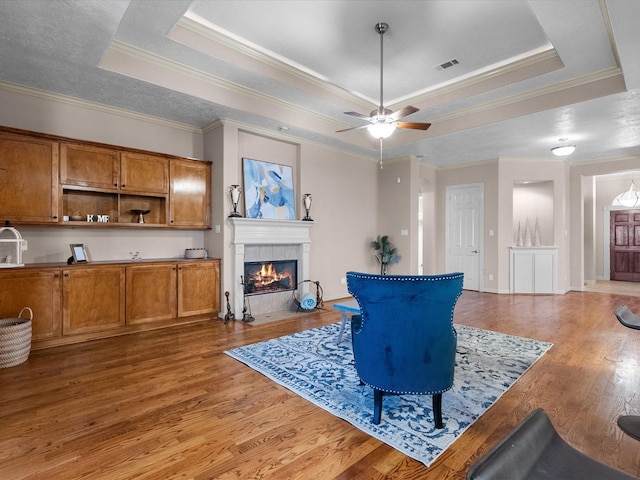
255, 231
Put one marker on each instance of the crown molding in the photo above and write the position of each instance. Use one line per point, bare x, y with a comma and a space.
533, 64
287, 137
119, 56
196, 33
480, 163
99, 107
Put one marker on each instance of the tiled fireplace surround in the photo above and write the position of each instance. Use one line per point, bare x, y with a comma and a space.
254, 240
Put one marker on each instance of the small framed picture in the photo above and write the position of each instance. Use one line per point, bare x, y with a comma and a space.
79, 253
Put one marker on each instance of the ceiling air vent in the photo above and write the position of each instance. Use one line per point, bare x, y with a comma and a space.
450, 63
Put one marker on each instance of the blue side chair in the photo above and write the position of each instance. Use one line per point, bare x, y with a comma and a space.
403, 340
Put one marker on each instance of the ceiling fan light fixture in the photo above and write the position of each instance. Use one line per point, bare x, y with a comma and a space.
381, 130
563, 150
383, 122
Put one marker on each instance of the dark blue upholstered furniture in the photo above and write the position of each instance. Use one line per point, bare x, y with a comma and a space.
403, 340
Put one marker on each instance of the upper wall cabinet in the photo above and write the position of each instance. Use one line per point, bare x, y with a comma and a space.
190, 193
98, 185
87, 166
109, 169
144, 173
28, 179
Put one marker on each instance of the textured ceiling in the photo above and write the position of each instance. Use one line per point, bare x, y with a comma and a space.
528, 72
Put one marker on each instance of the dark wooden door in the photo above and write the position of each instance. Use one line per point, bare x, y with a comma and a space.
625, 245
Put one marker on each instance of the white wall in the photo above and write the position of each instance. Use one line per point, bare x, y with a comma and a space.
533, 202
398, 212
344, 208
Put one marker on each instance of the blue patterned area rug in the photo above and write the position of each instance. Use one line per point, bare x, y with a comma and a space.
312, 365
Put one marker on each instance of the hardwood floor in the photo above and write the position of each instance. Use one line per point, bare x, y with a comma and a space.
170, 404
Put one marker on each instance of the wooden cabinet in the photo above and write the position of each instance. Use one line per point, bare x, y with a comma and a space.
151, 293
144, 173
93, 299
28, 179
83, 302
112, 169
38, 290
198, 288
190, 197
113, 184
45, 178
89, 166
166, 291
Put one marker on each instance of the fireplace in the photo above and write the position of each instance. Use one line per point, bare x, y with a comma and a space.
262, 239
270, 276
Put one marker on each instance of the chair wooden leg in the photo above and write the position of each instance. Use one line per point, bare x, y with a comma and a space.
437, 410
377, 406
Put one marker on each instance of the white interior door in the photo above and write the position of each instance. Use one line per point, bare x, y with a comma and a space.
465, 204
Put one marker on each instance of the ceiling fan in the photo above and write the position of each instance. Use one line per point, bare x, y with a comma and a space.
382, 121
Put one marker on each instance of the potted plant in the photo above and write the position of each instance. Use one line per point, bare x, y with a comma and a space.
386, 254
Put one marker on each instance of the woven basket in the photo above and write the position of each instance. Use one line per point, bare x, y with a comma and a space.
15, 339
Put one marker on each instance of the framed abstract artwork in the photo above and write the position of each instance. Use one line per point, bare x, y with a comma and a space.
268, 190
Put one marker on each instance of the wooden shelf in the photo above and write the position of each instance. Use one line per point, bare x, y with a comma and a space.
68, 176
157, 205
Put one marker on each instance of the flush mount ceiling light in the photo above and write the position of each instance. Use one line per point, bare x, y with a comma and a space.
563, 149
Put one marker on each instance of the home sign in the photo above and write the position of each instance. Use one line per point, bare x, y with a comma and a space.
98, 218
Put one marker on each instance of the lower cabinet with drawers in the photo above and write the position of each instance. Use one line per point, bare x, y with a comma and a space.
74, 303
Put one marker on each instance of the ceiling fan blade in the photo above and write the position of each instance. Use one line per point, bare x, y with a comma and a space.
359, 115
352, 128
403, 112
383, 117
413, 125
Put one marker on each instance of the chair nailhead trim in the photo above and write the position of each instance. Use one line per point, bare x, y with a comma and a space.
406, 278
400, 392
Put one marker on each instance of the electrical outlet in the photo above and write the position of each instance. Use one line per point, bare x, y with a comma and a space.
491, 276
343, 280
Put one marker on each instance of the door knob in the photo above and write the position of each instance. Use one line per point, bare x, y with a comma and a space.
474, 251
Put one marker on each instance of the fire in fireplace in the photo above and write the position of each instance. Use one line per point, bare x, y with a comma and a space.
269, 277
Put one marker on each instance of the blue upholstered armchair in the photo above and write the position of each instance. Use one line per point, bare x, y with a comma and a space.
403, 340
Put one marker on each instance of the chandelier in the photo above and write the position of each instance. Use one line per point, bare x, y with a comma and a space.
629, 198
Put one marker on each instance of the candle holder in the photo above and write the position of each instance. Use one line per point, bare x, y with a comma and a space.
235, 198
306, 200
140, 214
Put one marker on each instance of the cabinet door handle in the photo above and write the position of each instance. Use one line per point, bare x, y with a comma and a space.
55, 217
56, 275
66, 274
124, 186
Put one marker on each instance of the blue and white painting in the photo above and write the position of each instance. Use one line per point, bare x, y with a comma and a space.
268, 190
